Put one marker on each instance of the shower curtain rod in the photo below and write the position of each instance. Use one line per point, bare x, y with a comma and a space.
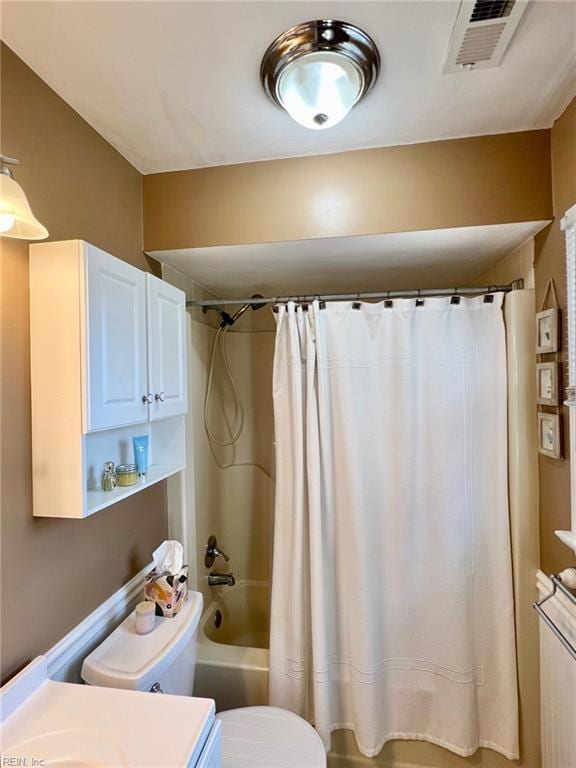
413, 294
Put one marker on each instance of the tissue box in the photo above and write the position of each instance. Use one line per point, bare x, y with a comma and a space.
167, 590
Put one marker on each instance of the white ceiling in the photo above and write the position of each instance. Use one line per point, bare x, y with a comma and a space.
430, 259
175, 85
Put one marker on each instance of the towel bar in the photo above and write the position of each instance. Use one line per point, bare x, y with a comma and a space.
556, 585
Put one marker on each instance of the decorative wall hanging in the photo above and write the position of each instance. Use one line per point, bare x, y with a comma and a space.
549, 438
547, 377
548, 374
547, 323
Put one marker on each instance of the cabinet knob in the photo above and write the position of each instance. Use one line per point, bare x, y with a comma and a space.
161, 396
147, 398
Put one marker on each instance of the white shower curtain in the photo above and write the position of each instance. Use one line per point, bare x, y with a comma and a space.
392, 603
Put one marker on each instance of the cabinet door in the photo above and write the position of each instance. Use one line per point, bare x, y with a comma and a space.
166, 348
115, 365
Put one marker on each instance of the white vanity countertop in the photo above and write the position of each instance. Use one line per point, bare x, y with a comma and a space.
64, 724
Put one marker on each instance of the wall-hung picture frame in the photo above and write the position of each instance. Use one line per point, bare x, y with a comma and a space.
547, 323
547, 378
549, 442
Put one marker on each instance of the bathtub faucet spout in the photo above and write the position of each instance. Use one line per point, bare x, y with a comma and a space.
221, 580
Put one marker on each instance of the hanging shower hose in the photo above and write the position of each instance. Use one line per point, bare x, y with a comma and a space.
219, 343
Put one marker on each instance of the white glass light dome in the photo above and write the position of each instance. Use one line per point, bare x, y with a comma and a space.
16, 217
319, 89
318, 70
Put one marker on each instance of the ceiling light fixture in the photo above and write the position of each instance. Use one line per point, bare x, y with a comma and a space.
16, 217
317, 71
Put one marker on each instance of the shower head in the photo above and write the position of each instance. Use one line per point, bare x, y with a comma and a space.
249, 305
259, 304
227, 319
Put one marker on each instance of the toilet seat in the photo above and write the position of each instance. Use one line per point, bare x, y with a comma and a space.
269, 737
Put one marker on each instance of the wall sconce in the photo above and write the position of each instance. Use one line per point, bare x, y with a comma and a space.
16, 217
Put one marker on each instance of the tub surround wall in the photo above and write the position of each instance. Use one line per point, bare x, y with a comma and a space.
550, 263
243, 515
235, 504
58, 571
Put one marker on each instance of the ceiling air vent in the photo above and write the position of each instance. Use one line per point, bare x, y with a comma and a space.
486, 10
482, 33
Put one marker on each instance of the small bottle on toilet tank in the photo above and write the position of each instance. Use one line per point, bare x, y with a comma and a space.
145, 617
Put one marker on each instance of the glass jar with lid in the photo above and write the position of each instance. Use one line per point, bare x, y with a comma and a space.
126, 474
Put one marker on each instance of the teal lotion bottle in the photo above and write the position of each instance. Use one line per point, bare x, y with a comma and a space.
141, 454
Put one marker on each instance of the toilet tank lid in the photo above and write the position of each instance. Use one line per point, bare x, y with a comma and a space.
128, 660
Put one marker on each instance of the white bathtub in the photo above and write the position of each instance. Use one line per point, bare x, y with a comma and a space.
232, 662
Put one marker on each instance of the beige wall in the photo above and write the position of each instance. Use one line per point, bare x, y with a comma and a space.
465, 182
550, 263
55, 572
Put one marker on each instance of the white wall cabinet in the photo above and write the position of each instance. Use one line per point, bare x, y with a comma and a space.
166, 348
116, 366
108, 362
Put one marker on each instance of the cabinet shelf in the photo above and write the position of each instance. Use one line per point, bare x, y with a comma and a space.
98, 499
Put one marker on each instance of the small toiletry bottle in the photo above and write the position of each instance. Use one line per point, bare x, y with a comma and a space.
109, 477
141, 454
145, 616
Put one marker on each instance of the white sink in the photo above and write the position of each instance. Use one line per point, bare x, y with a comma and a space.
71, 748
64, 725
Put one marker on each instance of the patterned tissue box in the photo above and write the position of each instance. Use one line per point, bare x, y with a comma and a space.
167, 590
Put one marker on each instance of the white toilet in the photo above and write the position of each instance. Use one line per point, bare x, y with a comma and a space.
164, 661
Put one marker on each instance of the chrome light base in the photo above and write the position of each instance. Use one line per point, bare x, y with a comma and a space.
321, 35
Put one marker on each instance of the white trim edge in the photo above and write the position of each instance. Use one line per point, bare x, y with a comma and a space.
68, 648
21, 686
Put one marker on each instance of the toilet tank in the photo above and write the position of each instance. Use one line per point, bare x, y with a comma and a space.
162, 661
